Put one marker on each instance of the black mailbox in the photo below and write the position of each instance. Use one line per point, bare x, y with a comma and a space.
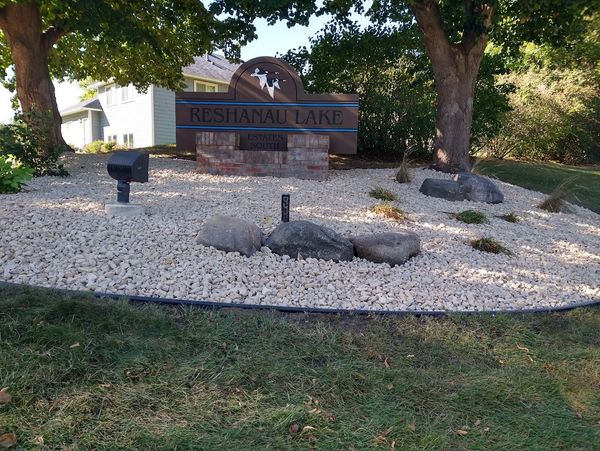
126, 167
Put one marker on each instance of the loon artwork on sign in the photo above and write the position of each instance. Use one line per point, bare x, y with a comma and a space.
264, 103
266, 81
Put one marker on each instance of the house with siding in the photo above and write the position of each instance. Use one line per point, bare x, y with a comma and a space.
140, 119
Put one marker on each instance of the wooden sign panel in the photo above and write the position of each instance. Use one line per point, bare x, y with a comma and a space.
265, 102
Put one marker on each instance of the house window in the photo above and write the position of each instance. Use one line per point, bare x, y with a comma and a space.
127, 93
110, 95
128, 140
111, 138
202, 86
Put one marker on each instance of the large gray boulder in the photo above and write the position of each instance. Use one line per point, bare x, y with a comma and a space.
309, 240
393, 248
478, 189
444, 189
231, 235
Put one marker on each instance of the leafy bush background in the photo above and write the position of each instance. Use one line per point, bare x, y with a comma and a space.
540, 103
24, 143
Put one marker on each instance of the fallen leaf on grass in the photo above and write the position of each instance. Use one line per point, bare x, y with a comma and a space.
8, 440
477, 423
486, 429
308, 429
382, 437
386, 363
412, 427
75, 345
294, 428
4, 396
39, 440
522, 348
389, 386
462, 432
316, 411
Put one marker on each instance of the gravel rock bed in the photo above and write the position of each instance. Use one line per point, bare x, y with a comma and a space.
57, 235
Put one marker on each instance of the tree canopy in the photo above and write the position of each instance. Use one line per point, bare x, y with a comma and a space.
143, 42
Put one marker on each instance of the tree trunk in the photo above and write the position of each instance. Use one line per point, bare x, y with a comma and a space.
455, 88
455, 69
29, 46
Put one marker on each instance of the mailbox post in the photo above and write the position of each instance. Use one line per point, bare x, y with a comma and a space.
127, 167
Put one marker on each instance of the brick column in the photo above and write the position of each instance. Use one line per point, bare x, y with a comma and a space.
308, 156
216, 152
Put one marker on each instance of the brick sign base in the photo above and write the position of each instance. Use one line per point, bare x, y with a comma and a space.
306, 157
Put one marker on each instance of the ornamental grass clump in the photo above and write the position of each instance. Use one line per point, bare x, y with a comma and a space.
389, 211
383, 194
472, 217
488, 244
403, 176
555, 202
510, 217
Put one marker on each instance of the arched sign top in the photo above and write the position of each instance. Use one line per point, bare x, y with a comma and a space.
264, 103
266, 79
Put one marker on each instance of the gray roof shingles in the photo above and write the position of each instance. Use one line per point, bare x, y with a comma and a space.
211, 66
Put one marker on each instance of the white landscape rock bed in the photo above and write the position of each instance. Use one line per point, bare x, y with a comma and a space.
57, 235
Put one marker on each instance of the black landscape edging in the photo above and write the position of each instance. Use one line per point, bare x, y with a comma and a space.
288, 309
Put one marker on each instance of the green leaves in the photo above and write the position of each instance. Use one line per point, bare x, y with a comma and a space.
12, 175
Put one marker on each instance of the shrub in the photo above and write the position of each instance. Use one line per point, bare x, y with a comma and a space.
100, 146
383, 194
30, 146
510, 217
110, 146
13, 175
94, 147
472, 217
389, 211
554, 107
491, 245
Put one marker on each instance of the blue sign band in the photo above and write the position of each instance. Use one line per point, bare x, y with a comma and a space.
311, 105
269, 129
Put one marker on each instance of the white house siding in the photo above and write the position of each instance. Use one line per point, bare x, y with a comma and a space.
131, 117
189, 84
164, 116
75, 129
164, 110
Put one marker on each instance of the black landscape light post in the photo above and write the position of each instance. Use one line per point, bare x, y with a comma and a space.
285, 208
127, 167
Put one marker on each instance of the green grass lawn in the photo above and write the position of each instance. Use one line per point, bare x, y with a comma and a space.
99, 374
584, 188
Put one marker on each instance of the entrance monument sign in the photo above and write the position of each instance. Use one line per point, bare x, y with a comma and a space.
266, 102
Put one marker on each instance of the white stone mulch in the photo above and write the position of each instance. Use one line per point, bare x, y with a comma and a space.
57, 235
